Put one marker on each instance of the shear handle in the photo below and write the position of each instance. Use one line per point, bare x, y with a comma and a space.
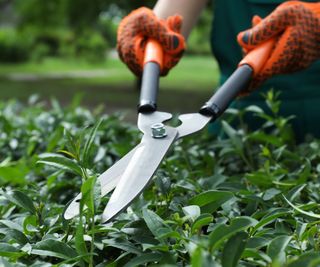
240, 79
150, 77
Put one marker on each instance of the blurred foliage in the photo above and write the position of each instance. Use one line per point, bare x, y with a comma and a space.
43, 14
91, 46
199, 39
75, 28
14, 47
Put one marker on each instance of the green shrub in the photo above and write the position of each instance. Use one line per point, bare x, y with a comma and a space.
89, 44
40, 52
48, 42
14, 46
92, 46
249, 199
108, 28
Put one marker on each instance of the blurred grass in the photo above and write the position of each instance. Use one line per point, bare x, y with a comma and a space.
183, 90
192, 73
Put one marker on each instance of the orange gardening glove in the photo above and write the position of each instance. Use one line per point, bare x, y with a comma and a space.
141, 24
295, 26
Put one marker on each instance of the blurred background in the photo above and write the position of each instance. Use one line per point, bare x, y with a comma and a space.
62, 48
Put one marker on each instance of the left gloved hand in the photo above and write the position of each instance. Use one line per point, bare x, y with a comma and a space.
140, 25
296, 27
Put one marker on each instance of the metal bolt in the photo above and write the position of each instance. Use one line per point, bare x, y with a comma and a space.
158, 130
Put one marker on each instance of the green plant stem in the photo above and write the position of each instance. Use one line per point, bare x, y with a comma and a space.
246, 160
65, 239
249, 160
185, 156
84, 173
92, 240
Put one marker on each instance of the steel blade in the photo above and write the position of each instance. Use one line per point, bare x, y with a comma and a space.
191, 123
110, 178
139, 172
108, 181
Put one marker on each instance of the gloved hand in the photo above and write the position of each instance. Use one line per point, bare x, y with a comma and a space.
296, 27
141, 24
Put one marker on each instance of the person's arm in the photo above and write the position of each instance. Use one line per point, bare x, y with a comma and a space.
189, 9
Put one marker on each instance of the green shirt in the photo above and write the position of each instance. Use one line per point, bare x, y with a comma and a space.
300, 91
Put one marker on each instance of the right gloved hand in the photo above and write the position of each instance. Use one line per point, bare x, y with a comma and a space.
295, 26
140, 25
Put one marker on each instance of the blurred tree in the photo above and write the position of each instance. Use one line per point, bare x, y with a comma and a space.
129, 5
77, 14
82, 14
44, 14
76, 27
4, 2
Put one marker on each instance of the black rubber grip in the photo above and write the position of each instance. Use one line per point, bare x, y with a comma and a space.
238, 81
149, 88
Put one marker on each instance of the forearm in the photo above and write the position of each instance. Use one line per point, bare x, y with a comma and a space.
189, 9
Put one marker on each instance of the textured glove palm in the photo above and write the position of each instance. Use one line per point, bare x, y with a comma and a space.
296, 27
141, 24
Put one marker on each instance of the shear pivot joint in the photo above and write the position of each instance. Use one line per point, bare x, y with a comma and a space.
158, 130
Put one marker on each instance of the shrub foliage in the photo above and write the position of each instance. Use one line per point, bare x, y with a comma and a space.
249, 198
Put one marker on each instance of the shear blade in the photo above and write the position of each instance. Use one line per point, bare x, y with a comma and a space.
108, 181
139, 172
191, 123
110, 178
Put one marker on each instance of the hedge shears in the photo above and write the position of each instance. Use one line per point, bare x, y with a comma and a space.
132, 173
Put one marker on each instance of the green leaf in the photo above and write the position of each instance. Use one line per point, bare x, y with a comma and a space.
123, 245
167, 232
260, 178
311, 259
277, 213
30, 224
153, 221
257, 242
7, 250
254, 109
89, 143
305, 173
276, 250
54, 138
60, 162
12, 225
14, 173
210, 201
233, 249
202, 220
264, 138
80, 244
143, 259
233, 135
201, 257
53, 248
13, 234
256, 254
192, 211
270, 193
300, 229
308, 213
294, 192
222, 232
5, 263
20, 199
91, 192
